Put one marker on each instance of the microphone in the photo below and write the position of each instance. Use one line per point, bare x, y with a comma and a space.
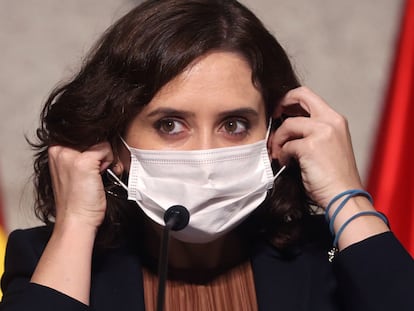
176, 218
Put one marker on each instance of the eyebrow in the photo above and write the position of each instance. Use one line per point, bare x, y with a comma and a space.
240, 111
164, 111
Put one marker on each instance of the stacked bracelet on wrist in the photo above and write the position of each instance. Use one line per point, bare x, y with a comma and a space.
347, 195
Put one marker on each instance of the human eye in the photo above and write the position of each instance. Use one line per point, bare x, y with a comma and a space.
236, 126
170, 126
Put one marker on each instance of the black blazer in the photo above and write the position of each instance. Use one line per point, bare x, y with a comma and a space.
375, 274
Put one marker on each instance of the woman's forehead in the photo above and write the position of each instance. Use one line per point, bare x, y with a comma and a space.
224, 78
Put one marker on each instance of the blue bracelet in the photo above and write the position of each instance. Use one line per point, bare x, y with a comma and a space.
350, 193
336, 198
346, 223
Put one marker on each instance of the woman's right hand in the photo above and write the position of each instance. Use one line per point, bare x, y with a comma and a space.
65, 264
77, 183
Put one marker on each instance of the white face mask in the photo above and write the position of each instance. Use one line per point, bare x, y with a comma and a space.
219, 187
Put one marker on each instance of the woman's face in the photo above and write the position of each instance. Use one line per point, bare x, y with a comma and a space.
211, 104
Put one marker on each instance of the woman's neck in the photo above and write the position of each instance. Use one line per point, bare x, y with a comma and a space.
218, 255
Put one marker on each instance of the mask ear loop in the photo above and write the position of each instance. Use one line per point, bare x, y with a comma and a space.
116, 179
110, 172
125, 143
280, 171
269, 127
273, 189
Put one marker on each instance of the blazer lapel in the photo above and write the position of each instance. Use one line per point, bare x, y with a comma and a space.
298, 281
282, 283
117, 281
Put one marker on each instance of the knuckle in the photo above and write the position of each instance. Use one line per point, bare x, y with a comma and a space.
299, 89
80, 164
58, 154
64, 155
53, 151
339, 121
326, 132
311, 146
289, 122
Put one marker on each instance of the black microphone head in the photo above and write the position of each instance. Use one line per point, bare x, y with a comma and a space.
179, 214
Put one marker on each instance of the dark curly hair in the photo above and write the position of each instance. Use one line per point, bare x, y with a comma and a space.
132, 61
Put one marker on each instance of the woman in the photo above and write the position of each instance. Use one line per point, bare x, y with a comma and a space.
175, 100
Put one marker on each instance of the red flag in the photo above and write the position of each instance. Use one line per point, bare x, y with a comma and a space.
391, 179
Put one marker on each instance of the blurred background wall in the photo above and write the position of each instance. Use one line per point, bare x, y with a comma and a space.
341, 49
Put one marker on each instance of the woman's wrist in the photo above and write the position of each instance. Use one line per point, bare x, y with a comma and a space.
353, 218
80, 218
65, 264
73, 224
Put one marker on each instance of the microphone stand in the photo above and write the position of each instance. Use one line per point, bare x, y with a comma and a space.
163, 265
176, 218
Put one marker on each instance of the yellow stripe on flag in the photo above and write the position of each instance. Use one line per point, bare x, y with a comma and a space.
3, 240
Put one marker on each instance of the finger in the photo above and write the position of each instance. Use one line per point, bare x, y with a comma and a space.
291, 129
289, 150
314, 105
60, 156
107, 160
101, 154
293, 110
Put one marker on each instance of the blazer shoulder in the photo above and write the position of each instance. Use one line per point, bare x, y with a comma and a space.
32, 240
23, 251
39, 235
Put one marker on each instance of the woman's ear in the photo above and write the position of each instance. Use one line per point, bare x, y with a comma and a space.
122, 156
118, 167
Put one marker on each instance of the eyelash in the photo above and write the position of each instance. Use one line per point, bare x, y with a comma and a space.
245, 123
158, 125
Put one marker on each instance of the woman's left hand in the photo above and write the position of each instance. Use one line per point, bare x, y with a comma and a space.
321, 143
